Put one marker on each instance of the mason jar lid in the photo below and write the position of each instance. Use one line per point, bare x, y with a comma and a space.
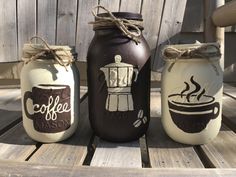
192, 51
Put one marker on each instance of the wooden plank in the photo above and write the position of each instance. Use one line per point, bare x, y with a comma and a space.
8, 119
230, 90
16, 145
125, 155
69, 152
10, 99
171, 24
84, 33
113, 5
193, 16
8, 32
130, 6
46, 24
164, 152
66, 22
152, 13
222, 150
26, 22
229, 114
26, 169
225, 15
211, 32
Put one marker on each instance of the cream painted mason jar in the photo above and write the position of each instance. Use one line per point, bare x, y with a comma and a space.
50, 92
192, 92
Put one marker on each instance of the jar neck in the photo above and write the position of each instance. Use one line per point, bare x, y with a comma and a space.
109, 31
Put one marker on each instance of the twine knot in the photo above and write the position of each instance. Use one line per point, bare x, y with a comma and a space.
206, 51
129, 27
61, 54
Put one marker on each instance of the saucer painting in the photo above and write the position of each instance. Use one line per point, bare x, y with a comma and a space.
192, 109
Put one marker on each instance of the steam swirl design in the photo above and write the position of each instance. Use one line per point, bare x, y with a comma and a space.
196, 90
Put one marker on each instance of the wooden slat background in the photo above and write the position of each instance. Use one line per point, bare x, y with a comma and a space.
66, 22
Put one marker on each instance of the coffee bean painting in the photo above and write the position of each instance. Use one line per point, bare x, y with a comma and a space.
192, 109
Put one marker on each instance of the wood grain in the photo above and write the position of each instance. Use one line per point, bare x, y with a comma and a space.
26, 22
8, 118
222, 150
16, 145
230, 90
152, 14
211, 32
66, 22
171, 24
113, 5
225, 15
117, 155
84, 30
8, 32
8, 168
229, 114
46, 24
130, 6
164, 152
194, 10
69, 152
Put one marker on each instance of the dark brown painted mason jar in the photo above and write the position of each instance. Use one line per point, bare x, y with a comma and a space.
118, 81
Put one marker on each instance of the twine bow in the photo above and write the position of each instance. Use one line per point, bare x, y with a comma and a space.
123, 24
206, 51
47, 50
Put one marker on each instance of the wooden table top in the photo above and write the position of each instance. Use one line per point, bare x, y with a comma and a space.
84, 154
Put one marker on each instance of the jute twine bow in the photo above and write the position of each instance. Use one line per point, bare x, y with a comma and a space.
204, 51
123, 24
59, 54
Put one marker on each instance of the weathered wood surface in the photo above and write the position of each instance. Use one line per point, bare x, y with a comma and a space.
161, 153
8, 119
8, 32
160, 146
26, 22
130, 6
16, 145
8, 168
225, 15
66, 22
193, 16
229, 100
171, 24
153, 14
85, 32
230, 90
117, 155
222, 150
47, 15
112, 6
211, 32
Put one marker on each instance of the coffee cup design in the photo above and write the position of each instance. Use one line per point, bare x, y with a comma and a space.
51, 109
192, 112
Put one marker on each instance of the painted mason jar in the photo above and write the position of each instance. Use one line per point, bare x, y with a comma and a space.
50, 92
192, 92
118, 78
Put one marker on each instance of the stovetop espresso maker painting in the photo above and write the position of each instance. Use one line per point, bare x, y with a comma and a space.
118, 78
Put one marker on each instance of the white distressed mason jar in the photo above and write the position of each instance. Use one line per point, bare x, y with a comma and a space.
50, 93
192, 82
